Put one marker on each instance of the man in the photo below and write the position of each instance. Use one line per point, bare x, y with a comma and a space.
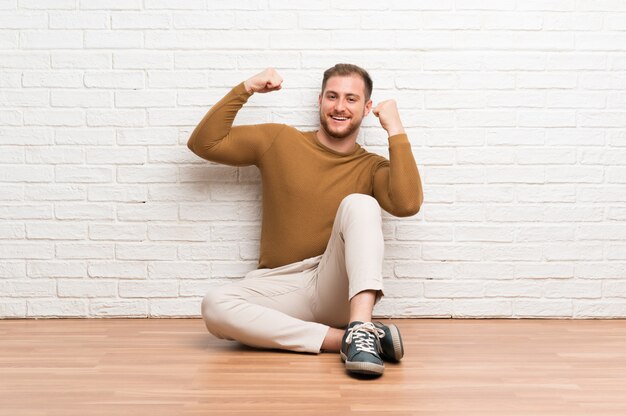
321, 254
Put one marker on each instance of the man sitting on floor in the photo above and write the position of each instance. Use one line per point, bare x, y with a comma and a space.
321, 253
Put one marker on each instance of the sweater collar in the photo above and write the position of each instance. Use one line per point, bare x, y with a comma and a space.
313, 136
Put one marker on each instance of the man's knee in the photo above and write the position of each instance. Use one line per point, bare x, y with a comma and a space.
215, 310
361, 204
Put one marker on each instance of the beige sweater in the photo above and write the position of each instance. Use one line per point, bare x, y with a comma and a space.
303, 180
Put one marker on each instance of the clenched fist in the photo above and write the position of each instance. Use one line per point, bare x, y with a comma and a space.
265, 81
387, 113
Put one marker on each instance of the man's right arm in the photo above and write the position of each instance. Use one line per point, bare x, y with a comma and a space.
215, 139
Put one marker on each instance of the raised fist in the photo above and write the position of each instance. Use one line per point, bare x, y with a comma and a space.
265, 81
387, 113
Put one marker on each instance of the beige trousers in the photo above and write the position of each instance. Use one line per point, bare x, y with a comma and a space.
292, 307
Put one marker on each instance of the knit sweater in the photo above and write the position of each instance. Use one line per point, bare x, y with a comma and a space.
303, 180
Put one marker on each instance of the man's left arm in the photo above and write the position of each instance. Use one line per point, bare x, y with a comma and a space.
397, 185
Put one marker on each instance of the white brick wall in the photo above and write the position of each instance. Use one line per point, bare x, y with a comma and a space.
516, 111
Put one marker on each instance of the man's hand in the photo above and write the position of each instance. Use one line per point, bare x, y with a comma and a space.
387, 113
263, 82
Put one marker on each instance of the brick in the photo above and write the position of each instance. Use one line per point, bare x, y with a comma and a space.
573, 289
74, 99
84, 250
60, 231
148, 289
144, 174
118, 269
83, 211
51, 39
426, 270
141, 99
477, 193
546, 193
184, 307
573, 252
136, 308
441, 308
454, 289
147, 212
78, 20
205, 252
28, 288
484, 270
484, 233
12, 231
86, 288
11, 308
543, 308
26, 250
511, 252
83, 174
209, 211
599, 309
180, 270
80, 59
117, 193
545, 233
93, 136
115, 156
118, 232
58, 154
494, 308
56, 308
514, 288
145, 251
544, 270
53, 268
449, 252
139, 20
117, 80
156, 136
12, 193
25, 173
455, 213
32, 60
178, 233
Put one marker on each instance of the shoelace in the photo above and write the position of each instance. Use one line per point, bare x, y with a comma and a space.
366, 337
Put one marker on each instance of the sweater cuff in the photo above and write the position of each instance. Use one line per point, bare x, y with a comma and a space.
240, 89
398, 139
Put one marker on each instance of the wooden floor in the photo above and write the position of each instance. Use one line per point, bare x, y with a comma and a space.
174, 367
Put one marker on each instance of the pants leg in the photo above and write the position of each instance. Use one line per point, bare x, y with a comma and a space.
269, 308
352, 262
291, 307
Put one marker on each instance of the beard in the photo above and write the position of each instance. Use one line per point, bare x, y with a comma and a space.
340, 132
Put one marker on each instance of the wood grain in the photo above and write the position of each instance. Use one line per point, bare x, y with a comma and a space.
174, 367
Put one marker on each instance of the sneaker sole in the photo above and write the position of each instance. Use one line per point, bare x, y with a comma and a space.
362, 367
398, 348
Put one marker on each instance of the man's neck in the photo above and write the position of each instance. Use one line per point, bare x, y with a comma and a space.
345, 145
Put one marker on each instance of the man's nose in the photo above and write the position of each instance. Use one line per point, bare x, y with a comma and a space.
339, 105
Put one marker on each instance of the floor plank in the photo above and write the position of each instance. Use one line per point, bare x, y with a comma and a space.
174, 367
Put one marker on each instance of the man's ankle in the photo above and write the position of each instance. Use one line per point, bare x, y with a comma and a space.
332, 341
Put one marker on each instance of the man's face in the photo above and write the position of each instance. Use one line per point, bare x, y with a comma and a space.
343, 105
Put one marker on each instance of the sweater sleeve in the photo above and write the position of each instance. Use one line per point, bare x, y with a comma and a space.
215, 138
397, 185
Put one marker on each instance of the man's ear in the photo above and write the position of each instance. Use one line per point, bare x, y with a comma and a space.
319, 100
368, 107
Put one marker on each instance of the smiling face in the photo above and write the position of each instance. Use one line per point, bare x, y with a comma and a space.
342, 107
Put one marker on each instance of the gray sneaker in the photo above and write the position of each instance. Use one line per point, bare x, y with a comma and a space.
391, 348
360, 348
